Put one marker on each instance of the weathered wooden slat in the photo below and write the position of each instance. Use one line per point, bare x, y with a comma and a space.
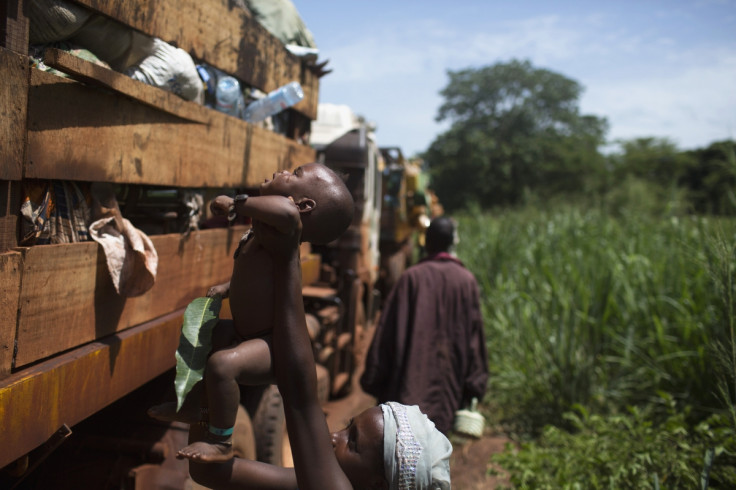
10, 274
78, 132
35, 402
13, 102
10, 197
14, 26
155, 97
68, 299
222, 34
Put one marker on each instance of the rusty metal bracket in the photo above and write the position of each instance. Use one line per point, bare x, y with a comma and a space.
16, 472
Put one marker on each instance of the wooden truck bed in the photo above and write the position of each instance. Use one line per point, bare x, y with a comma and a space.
69, 345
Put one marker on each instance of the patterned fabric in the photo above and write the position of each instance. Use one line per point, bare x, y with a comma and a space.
415, 454
408, 449
54, 212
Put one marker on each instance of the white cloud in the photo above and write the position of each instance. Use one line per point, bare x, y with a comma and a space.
645, 81
693, 105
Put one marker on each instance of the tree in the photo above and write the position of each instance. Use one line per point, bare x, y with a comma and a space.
514, 129
653, 159
711, 178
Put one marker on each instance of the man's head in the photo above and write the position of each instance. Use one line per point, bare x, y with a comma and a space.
440, 235
323, 199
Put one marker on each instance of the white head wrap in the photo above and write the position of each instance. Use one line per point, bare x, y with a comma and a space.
415, 454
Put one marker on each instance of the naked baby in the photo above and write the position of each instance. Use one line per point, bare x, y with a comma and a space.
242, 347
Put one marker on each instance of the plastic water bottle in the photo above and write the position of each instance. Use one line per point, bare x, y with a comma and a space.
274, 102
228, 97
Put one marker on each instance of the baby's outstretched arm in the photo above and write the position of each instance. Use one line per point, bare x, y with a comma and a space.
276, 211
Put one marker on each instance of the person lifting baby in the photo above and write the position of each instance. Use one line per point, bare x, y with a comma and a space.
241, 351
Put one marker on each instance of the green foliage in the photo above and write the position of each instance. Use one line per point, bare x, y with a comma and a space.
722, 269
626, 451
516, 132
702, 181
515, 128
637, 195
711, 178
656, 160
584, 308
195, 343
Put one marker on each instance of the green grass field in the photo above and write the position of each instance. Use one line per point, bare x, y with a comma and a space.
629, 316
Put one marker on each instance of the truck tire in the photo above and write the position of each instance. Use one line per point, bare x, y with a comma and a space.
323, 395
244, 442
323, 384
269, 423
269, 427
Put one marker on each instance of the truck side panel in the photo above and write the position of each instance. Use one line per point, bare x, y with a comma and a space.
69, 345
77, 132
67, 298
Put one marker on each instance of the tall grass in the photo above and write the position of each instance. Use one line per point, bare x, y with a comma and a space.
606, 312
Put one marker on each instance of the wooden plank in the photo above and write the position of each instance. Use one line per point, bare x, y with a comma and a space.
155, 97
35, 402
10, 274
68, 299
13, 102
77, 132
223, 35
9, 213
14, 26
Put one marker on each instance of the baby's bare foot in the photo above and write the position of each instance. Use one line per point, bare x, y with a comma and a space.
166, 412
207, 451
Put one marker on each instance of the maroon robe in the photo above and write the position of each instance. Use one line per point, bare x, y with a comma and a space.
429, 347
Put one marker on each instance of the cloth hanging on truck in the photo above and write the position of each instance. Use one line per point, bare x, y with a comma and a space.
132, 260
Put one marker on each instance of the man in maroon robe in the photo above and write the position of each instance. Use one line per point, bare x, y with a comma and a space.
429, 347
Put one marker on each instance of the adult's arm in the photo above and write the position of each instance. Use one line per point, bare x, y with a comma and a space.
314, 459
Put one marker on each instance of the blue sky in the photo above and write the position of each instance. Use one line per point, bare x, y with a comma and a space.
652, 68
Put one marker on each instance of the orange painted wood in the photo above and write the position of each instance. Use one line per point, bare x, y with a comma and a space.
35, 402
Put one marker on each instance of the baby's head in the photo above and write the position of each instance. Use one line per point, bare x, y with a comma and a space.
394, 447
323, 199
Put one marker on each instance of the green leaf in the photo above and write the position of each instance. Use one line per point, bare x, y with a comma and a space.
195, 343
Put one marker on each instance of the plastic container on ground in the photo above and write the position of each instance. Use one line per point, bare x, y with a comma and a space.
469, 421
229, 98
275, 102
